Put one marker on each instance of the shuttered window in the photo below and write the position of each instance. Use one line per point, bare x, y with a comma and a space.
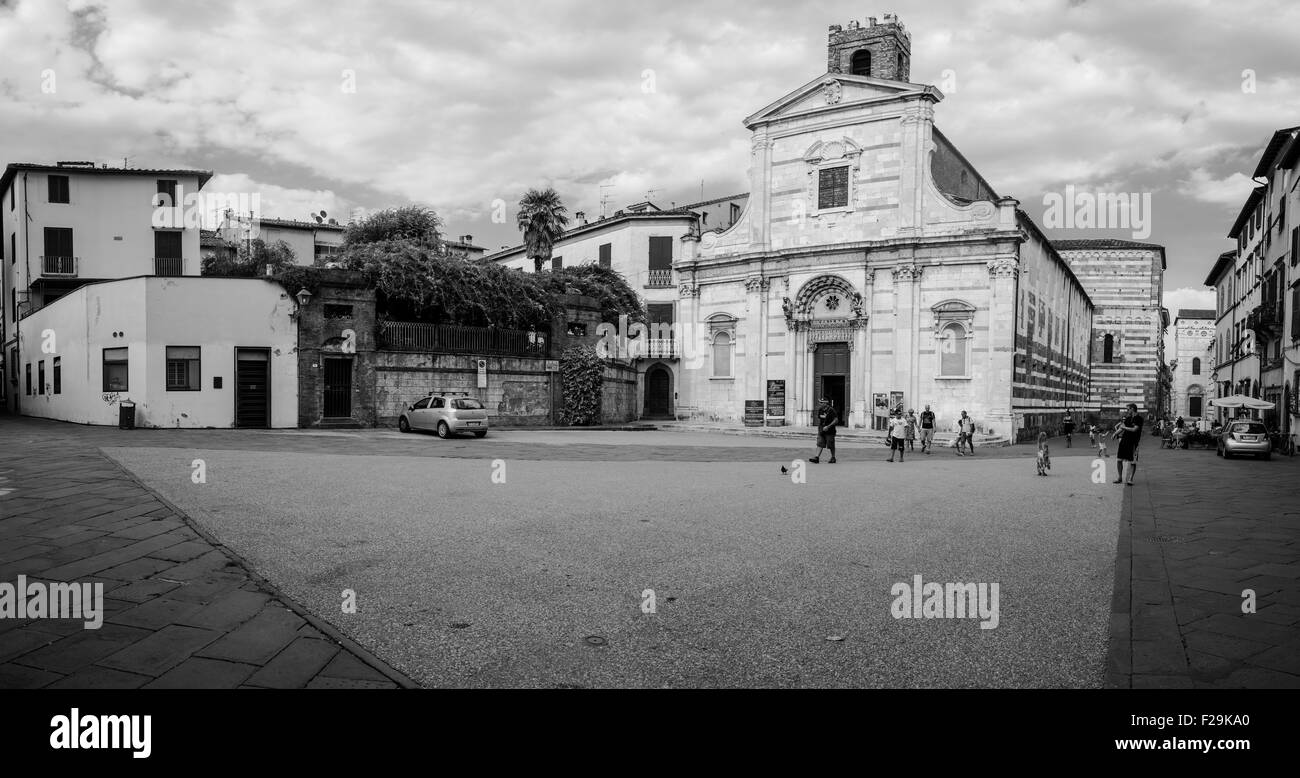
833, 187
606, 255
661, 252
167, 193
58, 189
1295, 313
58, 242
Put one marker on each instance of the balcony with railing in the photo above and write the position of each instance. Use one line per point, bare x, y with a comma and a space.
660, 278
58, 267
168, 266
661, 348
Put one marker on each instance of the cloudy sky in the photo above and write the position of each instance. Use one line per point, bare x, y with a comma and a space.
334, 106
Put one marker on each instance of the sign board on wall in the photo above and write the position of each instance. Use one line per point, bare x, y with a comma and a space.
881, 403
753, 413
776, 398
482, 374
552, 365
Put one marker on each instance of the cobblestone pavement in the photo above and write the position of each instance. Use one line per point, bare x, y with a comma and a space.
1196, 532
179, 611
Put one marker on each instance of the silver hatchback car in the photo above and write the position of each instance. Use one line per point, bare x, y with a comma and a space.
1245, 437
447, 414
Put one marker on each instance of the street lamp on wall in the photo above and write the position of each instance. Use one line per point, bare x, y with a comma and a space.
303, 297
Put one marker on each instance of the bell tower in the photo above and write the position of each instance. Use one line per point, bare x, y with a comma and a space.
877, 50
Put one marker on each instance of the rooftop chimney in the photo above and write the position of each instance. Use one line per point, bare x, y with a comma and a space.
582, 216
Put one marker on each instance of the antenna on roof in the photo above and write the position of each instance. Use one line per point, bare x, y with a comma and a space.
604, 198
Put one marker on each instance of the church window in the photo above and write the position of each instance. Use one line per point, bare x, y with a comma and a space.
833, 187
1108, 349
953, 350
860, 65
1196, 366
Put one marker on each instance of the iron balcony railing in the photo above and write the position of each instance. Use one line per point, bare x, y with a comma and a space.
65, 267
459, 339
660, 278
168, 266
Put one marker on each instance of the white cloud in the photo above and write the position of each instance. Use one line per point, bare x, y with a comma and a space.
1230, 190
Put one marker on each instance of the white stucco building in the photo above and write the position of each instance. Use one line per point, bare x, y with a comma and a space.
104, 302
189, 352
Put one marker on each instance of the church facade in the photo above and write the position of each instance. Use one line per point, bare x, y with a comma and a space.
875, 266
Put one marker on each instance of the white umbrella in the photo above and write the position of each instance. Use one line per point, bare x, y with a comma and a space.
1242, 401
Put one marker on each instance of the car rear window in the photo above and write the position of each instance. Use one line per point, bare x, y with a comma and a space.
1249, 429
466, 404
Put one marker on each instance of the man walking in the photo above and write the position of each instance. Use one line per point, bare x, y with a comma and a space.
1067, 428
827, 418
927, 429
897, 435
966, 433
1129, 432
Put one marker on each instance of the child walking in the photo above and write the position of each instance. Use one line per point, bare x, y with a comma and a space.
1099, 437
1044, 457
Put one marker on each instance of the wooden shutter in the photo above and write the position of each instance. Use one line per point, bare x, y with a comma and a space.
661, 253
833, 187
167, 244
606, 255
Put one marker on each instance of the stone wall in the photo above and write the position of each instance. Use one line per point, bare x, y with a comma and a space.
338, 322
520, 391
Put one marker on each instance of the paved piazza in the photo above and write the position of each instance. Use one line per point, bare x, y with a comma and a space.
753, 576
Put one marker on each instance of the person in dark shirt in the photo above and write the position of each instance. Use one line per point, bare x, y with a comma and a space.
1067, 428
827, 418
927, 430
1129, 432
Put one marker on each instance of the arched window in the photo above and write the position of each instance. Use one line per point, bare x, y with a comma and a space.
721, 355
860, 65
1195, 398
1108, 349
1196, 366
952, 351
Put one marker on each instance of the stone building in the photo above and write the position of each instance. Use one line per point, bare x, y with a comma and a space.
1125, 280
874, 265
1193, 363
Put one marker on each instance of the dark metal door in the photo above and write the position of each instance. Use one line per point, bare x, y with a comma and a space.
338, 388
252, 387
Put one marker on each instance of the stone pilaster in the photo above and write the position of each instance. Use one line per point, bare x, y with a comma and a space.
1004, 275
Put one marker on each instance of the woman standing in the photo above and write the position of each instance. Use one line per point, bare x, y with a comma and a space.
910, 432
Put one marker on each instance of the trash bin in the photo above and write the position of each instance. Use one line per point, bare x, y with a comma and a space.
126, 415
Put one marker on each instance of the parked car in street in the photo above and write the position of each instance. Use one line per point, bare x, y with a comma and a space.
1245, 437
446, 413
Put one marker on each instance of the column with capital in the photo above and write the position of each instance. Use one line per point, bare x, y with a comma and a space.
860, 357
688, 341
868, 348
906, 280
914, 152
760, 197
1004, 275
755, 324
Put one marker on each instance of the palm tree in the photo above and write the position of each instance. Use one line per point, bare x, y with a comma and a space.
542, 219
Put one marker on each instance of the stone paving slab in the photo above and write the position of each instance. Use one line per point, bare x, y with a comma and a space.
1195, 532
170, 593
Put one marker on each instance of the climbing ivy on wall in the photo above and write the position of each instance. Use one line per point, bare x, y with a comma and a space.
582, 375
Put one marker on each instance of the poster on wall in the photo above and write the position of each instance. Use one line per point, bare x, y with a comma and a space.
895, 400
881, 402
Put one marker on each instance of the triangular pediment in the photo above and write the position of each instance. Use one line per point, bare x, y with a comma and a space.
833, 90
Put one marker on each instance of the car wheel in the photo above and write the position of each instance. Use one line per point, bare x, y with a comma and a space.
443, 430
1227, 454
403, 425
482, 434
